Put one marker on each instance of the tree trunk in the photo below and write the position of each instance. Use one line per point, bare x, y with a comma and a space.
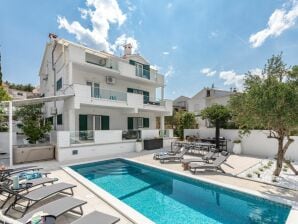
280, 156
217, 133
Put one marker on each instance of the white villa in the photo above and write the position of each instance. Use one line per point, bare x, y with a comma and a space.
204, 98
99, 94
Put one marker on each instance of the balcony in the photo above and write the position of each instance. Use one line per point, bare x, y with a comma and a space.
101, 60
142, 75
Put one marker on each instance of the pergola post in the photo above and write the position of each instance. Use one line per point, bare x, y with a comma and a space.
10, 133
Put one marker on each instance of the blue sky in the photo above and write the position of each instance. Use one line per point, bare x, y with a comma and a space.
194, 43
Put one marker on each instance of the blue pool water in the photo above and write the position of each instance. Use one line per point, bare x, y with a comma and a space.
167, 198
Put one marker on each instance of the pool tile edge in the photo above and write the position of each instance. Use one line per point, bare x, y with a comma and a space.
127, 211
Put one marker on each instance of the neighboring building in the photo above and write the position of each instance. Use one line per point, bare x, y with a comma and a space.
205, 98
16, 94
181, 103
107, 92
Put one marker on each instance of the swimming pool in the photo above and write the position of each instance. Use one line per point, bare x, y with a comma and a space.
166, 198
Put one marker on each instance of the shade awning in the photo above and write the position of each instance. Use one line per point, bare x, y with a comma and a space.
17, 103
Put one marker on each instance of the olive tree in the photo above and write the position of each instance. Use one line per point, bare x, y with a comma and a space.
269, 101
33, 124
218, 115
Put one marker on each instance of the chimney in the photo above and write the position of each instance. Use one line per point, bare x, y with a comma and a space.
127, 49
52, 36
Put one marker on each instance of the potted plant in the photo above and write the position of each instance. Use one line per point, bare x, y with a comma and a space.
237, 146
139, 145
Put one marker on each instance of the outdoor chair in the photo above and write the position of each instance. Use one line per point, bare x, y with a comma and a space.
35, 195
57, 208
177, 157
95, 216
157, 155
29, 185
205, 159
215, 165
12, 171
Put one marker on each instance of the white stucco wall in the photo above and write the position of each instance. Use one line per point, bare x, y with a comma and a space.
91, 151
4, 143
254, 144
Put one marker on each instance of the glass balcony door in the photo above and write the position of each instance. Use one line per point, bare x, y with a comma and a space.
95, 90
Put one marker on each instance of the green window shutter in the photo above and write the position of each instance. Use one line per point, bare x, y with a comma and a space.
146, 71
132, 62
59, 119
130, 123
105, 123
146, 97
146, 67
129, 90
83, 122
146, 122
59, 84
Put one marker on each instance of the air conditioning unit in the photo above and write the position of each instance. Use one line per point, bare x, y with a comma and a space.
110, 80
102, 62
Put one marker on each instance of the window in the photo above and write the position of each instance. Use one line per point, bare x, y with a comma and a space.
49, 120
91, 89
59, 119
134, 123
146, 122
93, 122
20, 94
139, 69
95, 90
59, 84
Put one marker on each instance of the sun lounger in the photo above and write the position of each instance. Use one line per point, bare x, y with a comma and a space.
168, 152
96, 217
177, 157
36, 195
12, 171
215, 165
30, 184
205, 159
57, 208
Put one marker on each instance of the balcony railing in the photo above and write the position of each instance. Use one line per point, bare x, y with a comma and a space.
109, 94
131, 134
152, 101
81, 137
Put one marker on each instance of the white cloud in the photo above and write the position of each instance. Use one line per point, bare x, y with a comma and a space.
174, 47
131, 7
208, 72
123, 39
213, 34
169, 5
279, 21
101, 15
155, 67
165, 53
231, 78
169, 73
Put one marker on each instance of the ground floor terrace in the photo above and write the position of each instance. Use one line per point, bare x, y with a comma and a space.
233, 166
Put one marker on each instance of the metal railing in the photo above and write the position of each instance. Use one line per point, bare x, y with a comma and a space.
81, 137
164, 133
152, 101
131, 134
110, 95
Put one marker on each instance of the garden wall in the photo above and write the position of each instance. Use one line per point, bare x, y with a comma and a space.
254, 144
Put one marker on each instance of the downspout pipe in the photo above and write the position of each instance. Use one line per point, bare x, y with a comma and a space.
55, 86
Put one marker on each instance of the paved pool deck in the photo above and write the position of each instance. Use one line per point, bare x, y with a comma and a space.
233, 166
